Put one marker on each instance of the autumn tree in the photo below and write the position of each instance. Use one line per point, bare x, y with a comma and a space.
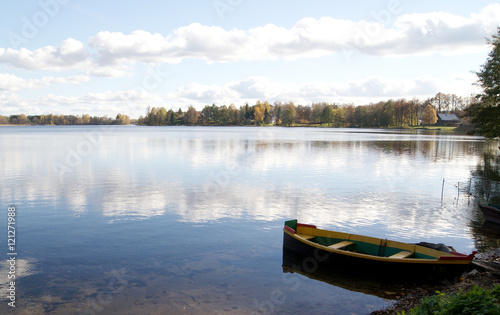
441, 101
191, 116
455, 102
85, 119
485, 114
20, 119
415, 106
151, 116
246, 114
205, 115
180, 117
317, 112
400, 112
234, 115
288, 115
303, 114
161, 116
338, 117
349, 111
275, 112
385, 114
122, 119
171, 117
258, 113
327, 114
429, 116
361, 116
23, 119
267, 116
223, 115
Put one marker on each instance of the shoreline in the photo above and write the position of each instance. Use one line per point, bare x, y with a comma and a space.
437, 128
484, 272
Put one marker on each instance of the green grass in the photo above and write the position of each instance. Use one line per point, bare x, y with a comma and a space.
328, 125
475, 301
442, 128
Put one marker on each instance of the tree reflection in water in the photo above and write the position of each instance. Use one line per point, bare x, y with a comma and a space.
486, 178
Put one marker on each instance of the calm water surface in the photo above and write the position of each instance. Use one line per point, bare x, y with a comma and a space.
129, 220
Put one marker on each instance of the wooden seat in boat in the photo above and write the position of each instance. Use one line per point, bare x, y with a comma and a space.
341, 245
403, 254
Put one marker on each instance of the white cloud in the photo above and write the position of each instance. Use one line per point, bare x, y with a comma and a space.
69, 54
114, 71
206, 93
253, 87
129, 102
10, 82
121, 97
13, 104
309, 37
360, 91
423, 33
443, 32
138, 45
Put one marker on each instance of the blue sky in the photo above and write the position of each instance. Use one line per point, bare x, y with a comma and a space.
110, 57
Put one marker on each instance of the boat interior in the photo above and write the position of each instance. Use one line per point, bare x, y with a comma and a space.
340, 241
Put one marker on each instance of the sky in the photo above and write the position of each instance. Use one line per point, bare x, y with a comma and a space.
108, 57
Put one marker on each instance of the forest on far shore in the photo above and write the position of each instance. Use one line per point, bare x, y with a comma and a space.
51, 119
391, 113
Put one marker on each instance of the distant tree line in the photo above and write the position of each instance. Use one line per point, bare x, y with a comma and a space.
391, 113
51, 119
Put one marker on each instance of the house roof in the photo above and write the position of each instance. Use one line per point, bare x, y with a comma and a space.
447, 117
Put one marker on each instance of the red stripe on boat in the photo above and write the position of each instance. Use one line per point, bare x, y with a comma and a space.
289, 229
458, 257
458, 254
306, 225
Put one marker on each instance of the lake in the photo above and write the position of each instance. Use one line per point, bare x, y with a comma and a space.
188, 220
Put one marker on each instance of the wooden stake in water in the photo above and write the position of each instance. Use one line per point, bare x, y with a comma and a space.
442, 191
468, 195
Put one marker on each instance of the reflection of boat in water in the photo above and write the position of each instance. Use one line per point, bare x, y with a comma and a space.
490, 212
369, 254
372, 285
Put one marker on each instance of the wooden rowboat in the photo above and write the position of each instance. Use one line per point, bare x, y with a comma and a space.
490, 212
369, 253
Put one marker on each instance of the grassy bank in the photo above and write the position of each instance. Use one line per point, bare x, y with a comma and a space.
440, 128
475, 301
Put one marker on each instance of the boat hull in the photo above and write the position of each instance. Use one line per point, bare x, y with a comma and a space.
491, 213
